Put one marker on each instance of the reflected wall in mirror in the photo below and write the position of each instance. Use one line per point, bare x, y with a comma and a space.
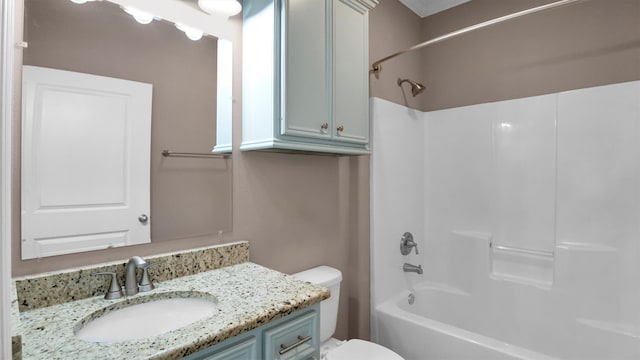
190, 197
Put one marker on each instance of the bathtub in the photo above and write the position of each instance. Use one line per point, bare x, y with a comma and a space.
512, 268
446, 323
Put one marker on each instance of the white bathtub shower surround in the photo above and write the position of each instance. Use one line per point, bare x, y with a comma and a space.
399, 186
528, 213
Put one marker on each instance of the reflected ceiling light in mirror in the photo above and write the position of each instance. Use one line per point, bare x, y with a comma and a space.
193, 34
224, 7
140, 16
81, 1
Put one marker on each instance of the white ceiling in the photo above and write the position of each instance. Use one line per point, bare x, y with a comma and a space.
428, 7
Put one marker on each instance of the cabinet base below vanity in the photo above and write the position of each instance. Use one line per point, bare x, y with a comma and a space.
293, 337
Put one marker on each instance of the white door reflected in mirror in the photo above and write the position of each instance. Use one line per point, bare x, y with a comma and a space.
85, 162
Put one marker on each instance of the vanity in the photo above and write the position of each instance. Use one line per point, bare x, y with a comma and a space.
299, 330
259, 313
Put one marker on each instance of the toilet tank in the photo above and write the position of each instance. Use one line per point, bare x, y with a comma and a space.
330, 278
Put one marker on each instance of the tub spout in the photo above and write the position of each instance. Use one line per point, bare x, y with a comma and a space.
412, 268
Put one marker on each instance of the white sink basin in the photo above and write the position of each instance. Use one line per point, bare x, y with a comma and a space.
146, 320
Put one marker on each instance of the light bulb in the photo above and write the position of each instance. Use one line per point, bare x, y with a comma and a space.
140, 16
224, 7
191, 33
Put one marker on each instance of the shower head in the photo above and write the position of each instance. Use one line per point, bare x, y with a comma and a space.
416, 87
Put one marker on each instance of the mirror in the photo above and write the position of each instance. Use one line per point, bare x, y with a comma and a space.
190, 196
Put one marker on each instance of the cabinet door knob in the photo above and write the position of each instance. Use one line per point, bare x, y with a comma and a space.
324, 126
143, 218
340, 128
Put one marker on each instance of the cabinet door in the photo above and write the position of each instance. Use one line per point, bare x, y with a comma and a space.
351, 54
244, 350
304, 69
296, 339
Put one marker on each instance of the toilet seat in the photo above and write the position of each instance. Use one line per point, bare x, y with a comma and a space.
361, 350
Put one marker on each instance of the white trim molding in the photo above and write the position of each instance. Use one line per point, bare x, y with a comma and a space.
6, 93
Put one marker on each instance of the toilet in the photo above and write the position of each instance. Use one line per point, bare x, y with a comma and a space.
330, 348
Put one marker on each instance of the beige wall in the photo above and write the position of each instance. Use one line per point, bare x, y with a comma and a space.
588, 44
393, 27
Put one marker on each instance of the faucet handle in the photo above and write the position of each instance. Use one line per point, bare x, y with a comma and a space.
115, 289
145, 284
407, 243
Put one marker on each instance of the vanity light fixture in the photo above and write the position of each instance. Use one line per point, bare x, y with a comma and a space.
193, 34
140, 16
81, 1
224, 7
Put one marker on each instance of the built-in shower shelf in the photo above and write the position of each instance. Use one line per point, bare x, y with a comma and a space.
523, 251
613, 327
524, 266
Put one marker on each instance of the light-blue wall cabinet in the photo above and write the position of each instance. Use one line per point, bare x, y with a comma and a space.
305, 75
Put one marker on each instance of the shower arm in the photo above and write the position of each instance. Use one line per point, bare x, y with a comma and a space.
376, 67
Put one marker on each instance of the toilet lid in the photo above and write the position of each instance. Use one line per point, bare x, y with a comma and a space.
362, 350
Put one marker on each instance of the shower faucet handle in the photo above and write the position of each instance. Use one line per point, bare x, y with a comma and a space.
407, 243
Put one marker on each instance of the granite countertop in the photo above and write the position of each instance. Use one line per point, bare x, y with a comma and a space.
248, 295
16, 339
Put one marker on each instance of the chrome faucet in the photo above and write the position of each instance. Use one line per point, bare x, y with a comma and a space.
412, 268
131, 281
